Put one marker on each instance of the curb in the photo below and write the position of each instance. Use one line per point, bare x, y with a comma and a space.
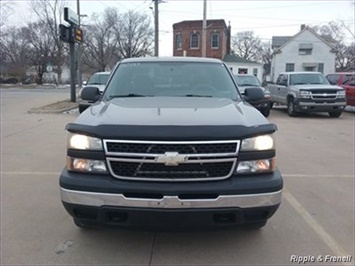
58, 111
54, 108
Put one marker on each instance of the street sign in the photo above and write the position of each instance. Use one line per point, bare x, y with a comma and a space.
78, 35
64, 33
49, 67
70, 16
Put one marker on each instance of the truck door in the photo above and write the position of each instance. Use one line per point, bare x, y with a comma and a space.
281, 89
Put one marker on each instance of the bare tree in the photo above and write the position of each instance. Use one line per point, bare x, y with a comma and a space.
50, 13
6, 8
14, 52
100, 41
247, 45
135, 35
42, 45
334, 33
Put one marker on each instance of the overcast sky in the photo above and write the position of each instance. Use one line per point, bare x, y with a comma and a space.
265, 18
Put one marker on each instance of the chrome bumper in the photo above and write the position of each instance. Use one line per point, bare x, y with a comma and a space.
313, 104
172, 202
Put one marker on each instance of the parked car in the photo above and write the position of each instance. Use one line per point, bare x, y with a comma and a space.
170, 144
345, 80
307, 92
97, 80
250, 81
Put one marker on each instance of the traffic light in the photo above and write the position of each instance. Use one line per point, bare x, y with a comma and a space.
64, 33
78, 35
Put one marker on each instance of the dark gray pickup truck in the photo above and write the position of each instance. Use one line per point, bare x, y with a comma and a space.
170, 144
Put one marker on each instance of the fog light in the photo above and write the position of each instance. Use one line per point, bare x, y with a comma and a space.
86, 165
257, 166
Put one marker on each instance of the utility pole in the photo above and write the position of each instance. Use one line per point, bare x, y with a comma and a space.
204, 26
78, 59
156, 25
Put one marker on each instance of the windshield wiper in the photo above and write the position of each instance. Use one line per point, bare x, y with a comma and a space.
197, 95
249, 85
128, 95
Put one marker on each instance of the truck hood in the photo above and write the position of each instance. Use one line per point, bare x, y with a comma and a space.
317, 87
242, 88
169, 114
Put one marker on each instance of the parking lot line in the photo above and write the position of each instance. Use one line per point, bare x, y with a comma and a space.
317, 227
30, 173
302, 175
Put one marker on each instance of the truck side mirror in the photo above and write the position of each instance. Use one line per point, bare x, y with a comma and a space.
90, 93
253, 94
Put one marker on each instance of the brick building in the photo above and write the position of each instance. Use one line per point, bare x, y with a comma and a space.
188, 36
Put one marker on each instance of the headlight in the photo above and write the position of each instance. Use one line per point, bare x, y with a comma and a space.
341, 94
257, 166
82, 142
260, 143
305, 94
86, 165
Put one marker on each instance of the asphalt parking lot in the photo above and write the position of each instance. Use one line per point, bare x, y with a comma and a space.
315, 154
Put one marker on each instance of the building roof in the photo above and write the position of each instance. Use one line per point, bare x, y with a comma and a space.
278, 41
306, 28
198, 23
237, 59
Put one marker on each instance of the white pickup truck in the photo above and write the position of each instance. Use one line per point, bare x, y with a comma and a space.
307, 92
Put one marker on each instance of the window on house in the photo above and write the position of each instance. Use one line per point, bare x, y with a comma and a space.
214, 40
305, 48
304, 51
194, 41
321, 68
242, 71
178, 42
255, 72
290, 67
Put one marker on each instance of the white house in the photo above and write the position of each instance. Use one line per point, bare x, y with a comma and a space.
305, 51
240, 65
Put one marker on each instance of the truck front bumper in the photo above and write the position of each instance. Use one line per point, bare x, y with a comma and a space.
320, 106
158, 205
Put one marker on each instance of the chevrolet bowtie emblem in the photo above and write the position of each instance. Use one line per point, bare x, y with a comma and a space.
171, 158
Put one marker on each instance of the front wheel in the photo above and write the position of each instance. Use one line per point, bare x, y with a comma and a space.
335, 114
255, 225
265, 111
291, 107
84, 225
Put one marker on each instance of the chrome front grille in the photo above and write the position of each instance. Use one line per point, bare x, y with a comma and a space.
324, 94
171, 160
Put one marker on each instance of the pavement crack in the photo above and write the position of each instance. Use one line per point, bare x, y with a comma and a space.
64, 246
152, 251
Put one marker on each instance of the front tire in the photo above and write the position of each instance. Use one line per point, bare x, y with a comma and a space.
265, 111
291, 108
255, 225
83, 225
335, 114
82, 108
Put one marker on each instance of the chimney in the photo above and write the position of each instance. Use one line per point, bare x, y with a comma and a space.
229, 32
303, 26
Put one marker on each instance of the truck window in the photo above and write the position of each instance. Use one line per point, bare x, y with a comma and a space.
333, 78
307, 78
279, 79
347, 78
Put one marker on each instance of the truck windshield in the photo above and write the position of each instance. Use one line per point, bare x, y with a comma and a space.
305, 78
244, 80
171, 79
98, 79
